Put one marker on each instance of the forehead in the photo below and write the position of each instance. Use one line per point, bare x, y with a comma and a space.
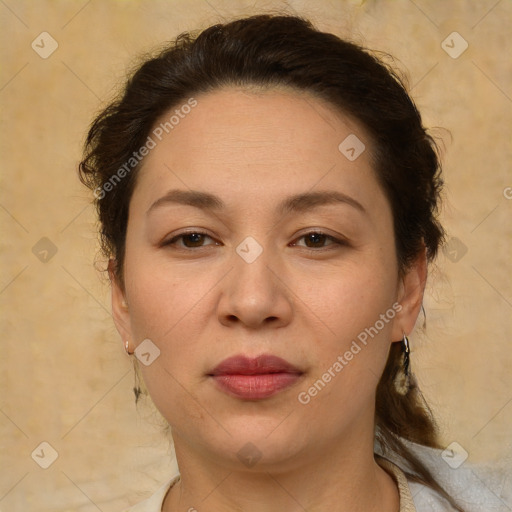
252, 121
239, 140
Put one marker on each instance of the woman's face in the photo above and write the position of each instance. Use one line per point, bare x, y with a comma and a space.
252, 233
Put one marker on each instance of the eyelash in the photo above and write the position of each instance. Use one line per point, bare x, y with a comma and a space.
334, 241
173, 240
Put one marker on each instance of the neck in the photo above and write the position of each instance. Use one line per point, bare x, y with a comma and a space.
340, 480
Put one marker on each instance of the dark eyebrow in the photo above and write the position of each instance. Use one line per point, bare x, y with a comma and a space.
310, 200
297, 203
194, 198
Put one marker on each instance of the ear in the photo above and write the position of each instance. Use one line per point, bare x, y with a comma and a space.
410, 296
120, 312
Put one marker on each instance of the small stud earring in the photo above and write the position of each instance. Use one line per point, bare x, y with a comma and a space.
127, 348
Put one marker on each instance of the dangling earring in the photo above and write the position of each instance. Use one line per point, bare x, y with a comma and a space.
403, 377
127, 348
137, 391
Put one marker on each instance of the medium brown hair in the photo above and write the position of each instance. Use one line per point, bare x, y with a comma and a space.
270, 51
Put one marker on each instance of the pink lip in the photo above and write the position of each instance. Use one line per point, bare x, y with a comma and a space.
255, 378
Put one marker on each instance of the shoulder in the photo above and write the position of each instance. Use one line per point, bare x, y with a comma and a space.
155, 501
474, 487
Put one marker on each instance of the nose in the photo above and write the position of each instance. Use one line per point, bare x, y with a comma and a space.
254, 296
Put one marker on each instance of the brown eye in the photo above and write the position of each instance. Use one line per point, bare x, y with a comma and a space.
314, 240
317, 240
194, 239
191, 240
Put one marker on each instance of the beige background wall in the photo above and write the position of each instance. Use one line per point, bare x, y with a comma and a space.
64, 378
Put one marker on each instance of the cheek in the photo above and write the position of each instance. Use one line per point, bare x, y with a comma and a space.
169, 312
349, 299
353, 310
173, 307
164, 309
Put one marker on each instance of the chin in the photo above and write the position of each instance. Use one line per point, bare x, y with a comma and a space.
264, 443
